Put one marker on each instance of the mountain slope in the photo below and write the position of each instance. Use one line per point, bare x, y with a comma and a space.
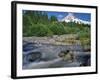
71, 18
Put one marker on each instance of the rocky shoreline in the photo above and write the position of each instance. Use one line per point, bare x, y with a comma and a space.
56, 39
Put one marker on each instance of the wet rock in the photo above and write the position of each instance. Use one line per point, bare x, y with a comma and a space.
67, 56
87, 48
34, 56
84, 60
29, 46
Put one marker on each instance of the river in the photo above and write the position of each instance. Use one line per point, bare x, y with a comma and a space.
46, 56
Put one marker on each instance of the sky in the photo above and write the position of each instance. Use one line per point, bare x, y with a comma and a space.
61, 15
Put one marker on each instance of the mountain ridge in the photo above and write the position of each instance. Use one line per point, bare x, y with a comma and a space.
71, 18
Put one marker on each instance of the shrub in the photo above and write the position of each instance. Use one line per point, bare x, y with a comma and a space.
57, 28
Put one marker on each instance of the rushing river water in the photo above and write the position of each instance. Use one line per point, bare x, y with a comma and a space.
36, 55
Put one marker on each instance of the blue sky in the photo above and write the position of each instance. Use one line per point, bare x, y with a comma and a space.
60, 15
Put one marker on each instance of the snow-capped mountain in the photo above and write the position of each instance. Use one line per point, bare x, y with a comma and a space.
71, 18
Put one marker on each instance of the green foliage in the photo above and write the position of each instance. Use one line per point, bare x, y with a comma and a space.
38, 30
53, 18
72, 30
57, 28
85, 36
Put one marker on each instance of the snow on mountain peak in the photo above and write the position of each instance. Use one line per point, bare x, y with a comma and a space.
71, 18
